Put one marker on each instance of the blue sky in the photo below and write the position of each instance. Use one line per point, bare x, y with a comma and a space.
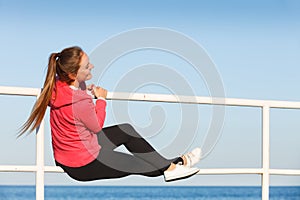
255, 46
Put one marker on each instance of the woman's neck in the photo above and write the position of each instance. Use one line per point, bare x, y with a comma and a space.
78, 85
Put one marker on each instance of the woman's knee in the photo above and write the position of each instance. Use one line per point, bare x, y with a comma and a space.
126, 127
129, 129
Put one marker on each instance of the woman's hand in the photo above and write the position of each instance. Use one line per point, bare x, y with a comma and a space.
99, 92
90, 87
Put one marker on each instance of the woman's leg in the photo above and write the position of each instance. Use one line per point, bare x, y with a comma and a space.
111, 164
111, 137
127, 164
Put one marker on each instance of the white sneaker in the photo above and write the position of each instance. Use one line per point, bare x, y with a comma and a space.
180, 172
193, 157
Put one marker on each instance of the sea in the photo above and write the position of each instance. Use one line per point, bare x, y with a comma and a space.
149, 192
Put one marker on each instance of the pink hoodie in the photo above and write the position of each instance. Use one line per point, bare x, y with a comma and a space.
75, 120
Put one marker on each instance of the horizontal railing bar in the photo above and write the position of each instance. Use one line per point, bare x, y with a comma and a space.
18, 168
201, 100
284, 172
173, 98
28, 168
224, 171
53, 169
249, 171
5, 90
220, 171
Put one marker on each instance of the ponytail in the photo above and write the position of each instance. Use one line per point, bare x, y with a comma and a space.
39, 108
62, 65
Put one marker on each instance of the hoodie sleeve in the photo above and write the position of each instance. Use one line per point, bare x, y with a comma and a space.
92, 116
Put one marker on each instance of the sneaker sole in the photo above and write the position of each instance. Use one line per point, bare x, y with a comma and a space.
176, 178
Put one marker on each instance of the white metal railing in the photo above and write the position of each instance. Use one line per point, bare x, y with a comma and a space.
265, 105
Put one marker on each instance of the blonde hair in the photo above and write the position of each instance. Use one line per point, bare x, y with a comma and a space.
60, 65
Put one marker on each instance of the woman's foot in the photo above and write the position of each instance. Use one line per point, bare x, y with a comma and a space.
191, 158
177, 172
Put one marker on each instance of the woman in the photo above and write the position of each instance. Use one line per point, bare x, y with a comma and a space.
81, 146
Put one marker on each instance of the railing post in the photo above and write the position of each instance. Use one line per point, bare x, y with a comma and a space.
265, 152
39, 187
40, 168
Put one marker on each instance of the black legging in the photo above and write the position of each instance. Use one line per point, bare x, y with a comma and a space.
143, 160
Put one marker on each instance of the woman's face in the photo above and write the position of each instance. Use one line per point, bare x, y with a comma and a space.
84, 72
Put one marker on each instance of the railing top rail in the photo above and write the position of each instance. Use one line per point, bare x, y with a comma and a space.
22, 91
202, 100
5, 90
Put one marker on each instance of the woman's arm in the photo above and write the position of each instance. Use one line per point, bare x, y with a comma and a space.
92, 116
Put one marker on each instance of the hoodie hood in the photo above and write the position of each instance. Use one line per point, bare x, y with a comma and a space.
63, 95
